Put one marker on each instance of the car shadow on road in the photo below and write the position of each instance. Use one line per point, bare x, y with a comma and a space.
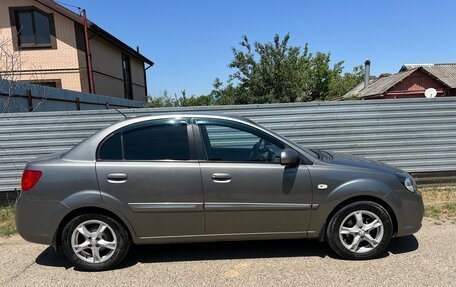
403, 245
226, 250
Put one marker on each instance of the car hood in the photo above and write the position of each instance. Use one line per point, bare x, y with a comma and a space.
347, 159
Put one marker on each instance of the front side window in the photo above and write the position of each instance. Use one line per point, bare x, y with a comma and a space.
147, 141
229, 142
33, 28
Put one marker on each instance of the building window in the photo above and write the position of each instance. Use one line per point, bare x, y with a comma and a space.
33, 28
48, 84
54, 83
126, 69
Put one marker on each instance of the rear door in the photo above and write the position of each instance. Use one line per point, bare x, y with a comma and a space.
246, 189
147, 172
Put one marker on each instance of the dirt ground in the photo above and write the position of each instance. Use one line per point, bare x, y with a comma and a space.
426, 259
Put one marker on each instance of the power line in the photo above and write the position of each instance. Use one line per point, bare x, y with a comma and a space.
69, 5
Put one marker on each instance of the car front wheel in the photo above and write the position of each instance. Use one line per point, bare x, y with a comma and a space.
95, 242
360, 230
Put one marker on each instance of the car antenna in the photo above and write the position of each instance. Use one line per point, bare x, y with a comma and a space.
125, 116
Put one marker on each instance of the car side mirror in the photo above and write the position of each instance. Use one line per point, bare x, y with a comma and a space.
289, 157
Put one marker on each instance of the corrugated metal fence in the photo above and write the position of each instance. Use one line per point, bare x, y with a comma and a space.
417, 135
17, 97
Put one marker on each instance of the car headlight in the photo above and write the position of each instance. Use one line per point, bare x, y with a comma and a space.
407, 182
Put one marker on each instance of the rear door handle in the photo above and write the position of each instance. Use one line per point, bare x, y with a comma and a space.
221, 177
117, 177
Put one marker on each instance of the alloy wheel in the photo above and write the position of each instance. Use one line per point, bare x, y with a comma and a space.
361, 231
94, 241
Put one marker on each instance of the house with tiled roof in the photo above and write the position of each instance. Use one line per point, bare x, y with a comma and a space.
411, 81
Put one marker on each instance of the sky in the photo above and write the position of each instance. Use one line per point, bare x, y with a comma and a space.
190, 42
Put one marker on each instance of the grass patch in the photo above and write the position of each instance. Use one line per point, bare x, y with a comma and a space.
439, 201
7, 224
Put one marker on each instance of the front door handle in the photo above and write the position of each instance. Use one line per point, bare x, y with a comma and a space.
117, 177
221, 177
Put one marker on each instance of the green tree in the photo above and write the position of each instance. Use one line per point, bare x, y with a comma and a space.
341, 84
184, 101
164, 100
277, 72
273, 72
222, 95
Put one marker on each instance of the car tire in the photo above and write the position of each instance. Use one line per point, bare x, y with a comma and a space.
361, 230
95, 242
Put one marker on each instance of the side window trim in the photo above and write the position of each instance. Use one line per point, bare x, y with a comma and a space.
122, 148
192, 142
190, 138
198, 144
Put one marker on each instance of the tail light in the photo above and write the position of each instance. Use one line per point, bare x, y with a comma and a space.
30, 178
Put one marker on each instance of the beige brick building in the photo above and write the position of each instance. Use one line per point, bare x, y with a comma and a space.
47, 43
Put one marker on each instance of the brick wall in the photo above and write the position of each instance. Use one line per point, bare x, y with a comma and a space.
64, 57
66, 62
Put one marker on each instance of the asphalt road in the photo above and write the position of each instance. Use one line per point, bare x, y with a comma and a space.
426, 259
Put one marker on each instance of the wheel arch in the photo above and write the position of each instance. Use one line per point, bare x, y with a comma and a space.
359, 198
57, 240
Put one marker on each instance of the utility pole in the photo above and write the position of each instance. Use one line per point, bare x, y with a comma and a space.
88, 53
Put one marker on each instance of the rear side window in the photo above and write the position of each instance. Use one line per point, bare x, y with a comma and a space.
148, 141
157, 142
112, 148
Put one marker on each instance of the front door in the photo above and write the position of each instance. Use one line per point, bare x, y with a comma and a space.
145, 171
246, 189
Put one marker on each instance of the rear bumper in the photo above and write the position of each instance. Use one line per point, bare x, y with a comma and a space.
37, 220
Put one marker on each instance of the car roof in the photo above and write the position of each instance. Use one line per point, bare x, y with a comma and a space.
196, 114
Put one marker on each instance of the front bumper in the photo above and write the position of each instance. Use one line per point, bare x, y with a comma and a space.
409, 211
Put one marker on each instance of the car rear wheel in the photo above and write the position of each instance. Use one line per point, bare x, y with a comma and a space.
360, 230
95, 242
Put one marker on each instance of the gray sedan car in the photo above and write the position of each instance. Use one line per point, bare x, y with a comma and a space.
198, 177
